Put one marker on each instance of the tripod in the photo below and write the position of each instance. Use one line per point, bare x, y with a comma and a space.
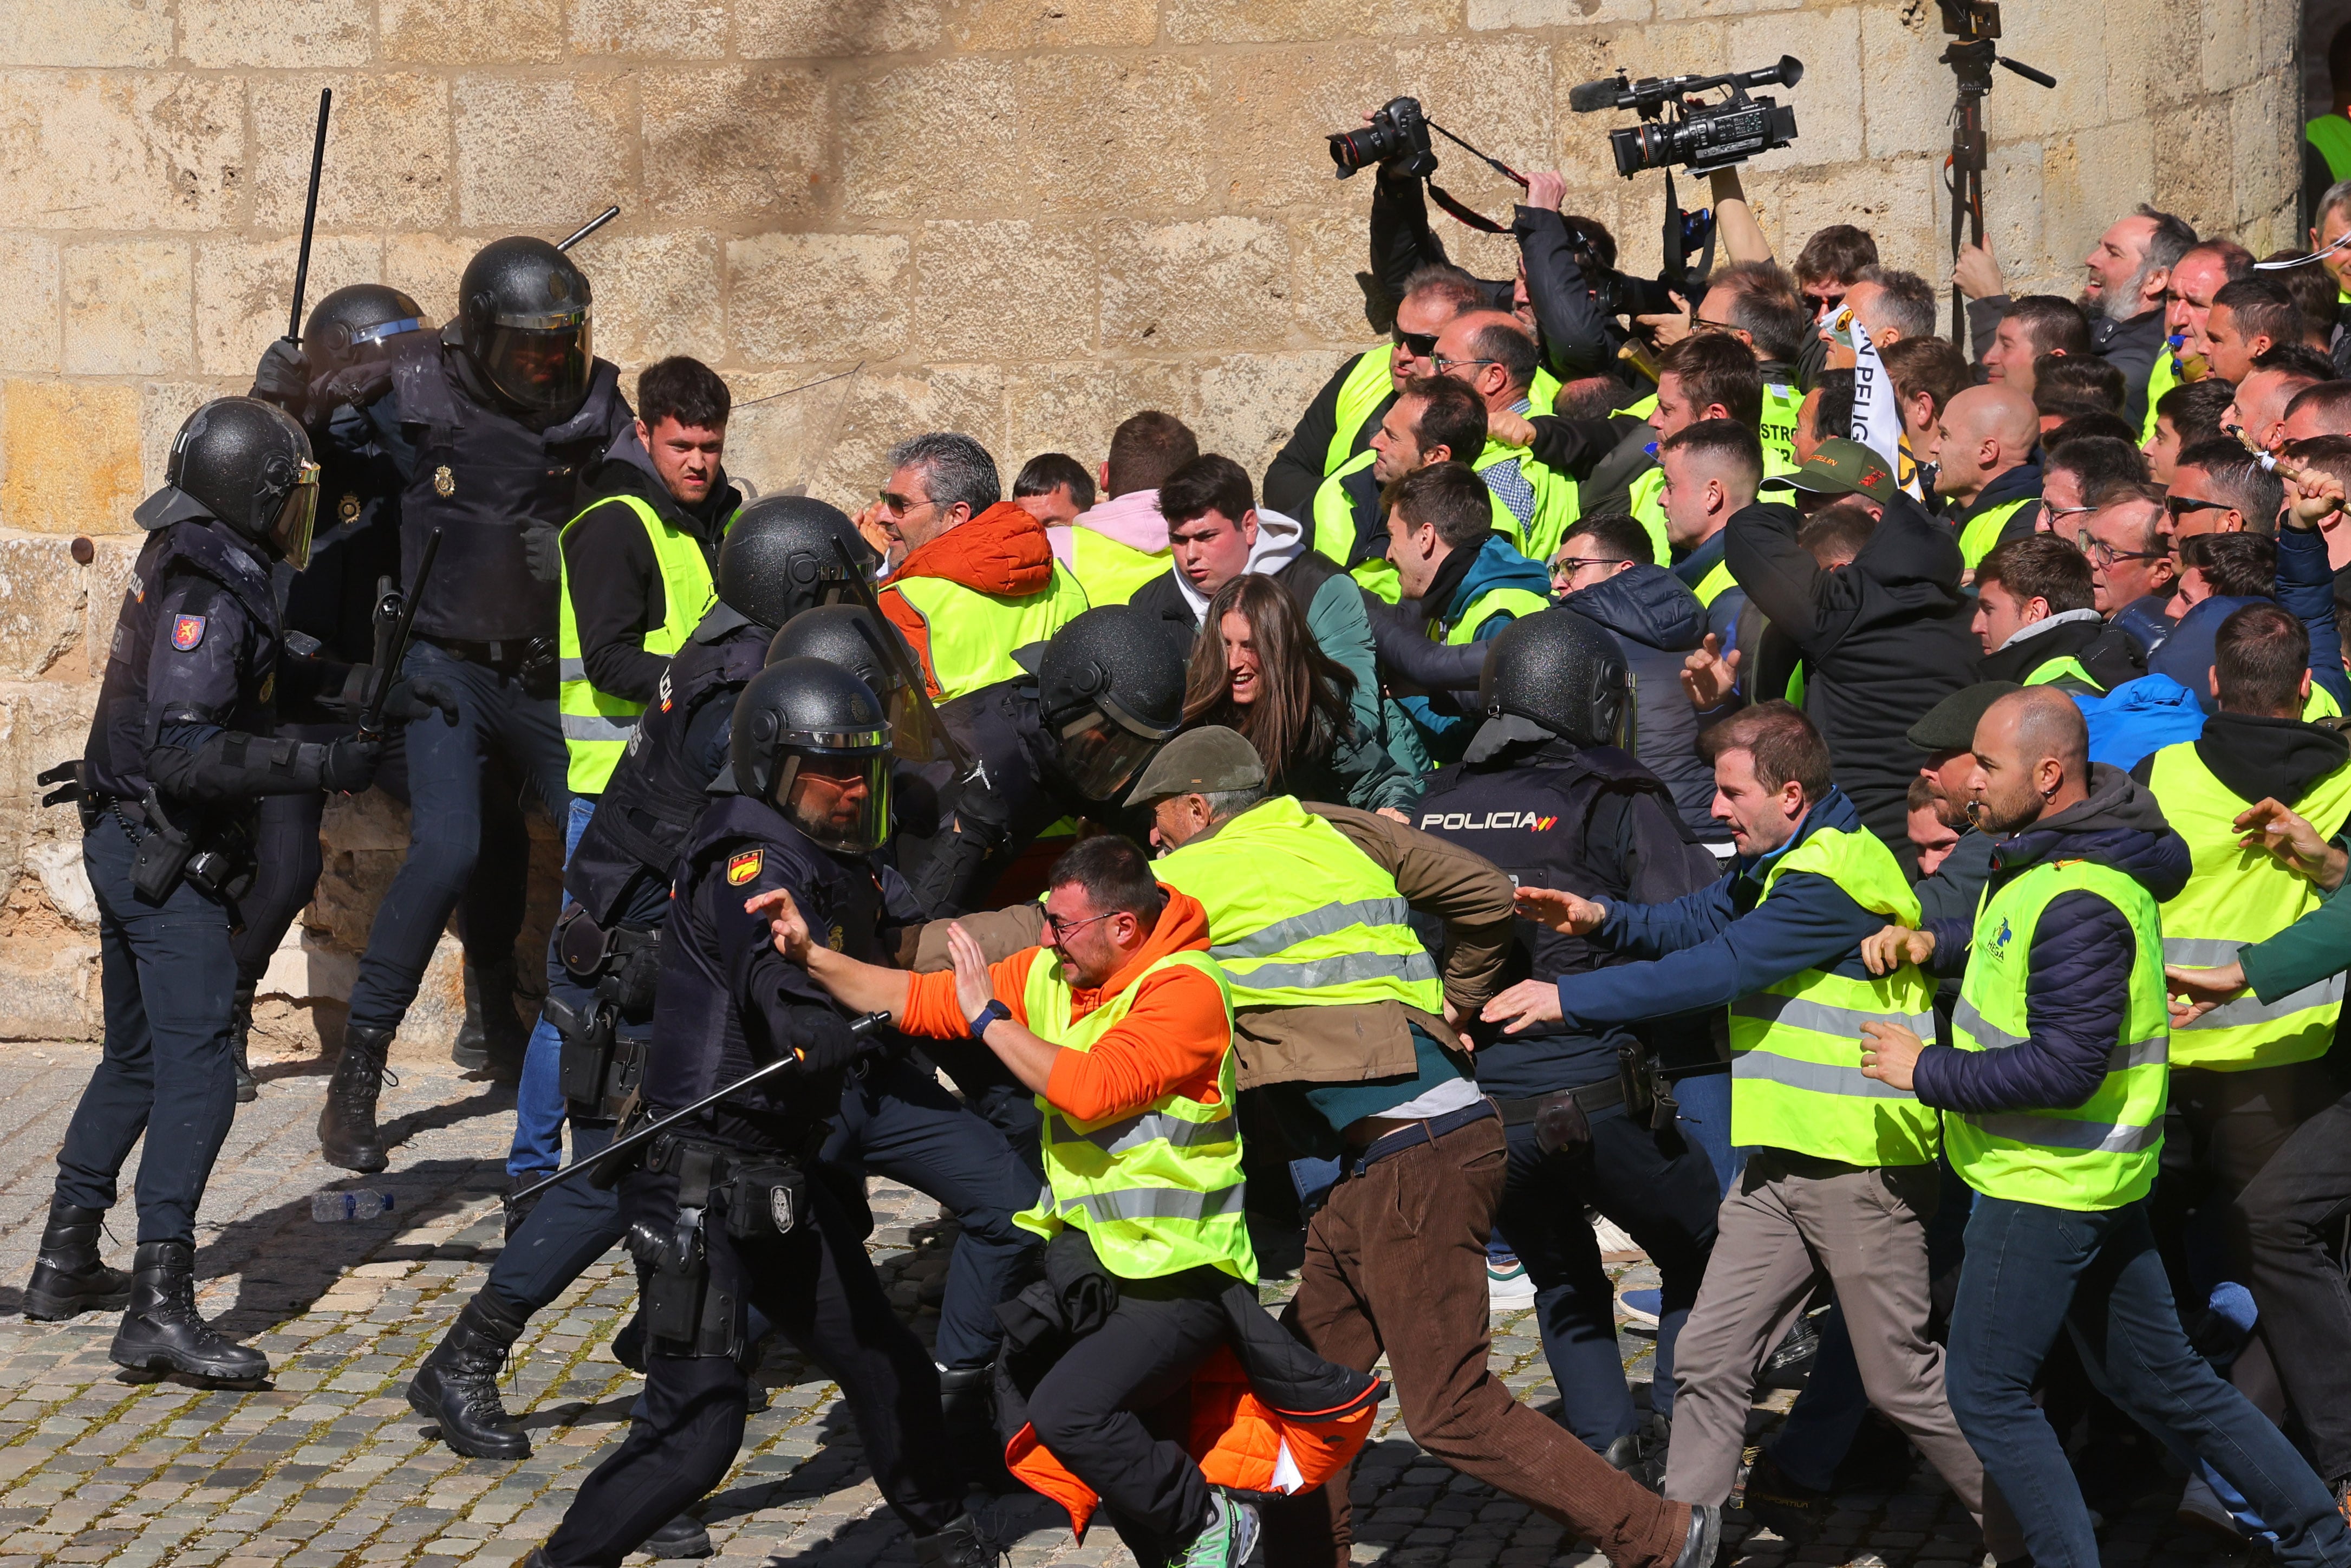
1972, 57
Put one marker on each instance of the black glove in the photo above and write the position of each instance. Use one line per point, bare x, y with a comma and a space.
411, 699
820, 1038
283, 377
537, 673
350, 764
542, 552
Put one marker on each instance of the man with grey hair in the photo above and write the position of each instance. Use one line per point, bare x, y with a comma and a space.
2128, 270
1894, 305
2329, 222
977, 582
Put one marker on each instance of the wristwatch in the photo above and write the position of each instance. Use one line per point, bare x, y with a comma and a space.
994, 1011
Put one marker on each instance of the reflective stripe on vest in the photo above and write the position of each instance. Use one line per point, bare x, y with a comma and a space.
973, 635
1709, 587
1158, 1191
1557, 504
2067, 669
596, 724
2238, 896
1511, 602
1109, 571
2101, 1153
1298, 916
1795, 1064
1368, 385
1982, 530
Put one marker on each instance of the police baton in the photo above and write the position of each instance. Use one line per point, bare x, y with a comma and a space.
590, 227
309, 216
967, 767
862, 1027
372, 722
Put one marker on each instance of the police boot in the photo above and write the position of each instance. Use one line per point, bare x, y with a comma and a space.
162, 1332
240, 1030
457, 1387
493, 1038
347, 1130
967, 1402
67, 1277
681, 1537
960, 1545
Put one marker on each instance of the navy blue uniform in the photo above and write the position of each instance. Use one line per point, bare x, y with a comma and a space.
1594, 821
729, 1002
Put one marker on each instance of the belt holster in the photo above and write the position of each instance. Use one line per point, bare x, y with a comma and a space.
681, 1306
601, 1067
770, 1199
1648, 1096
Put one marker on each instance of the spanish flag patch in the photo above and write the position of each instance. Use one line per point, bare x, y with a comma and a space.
743, 868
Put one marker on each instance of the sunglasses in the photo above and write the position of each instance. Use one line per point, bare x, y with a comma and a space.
2180, 505
1419, 345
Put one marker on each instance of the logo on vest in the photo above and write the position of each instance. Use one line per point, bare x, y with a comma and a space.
444, 483
663, 693
2001, 939
1471, 822
187, 631
743, 867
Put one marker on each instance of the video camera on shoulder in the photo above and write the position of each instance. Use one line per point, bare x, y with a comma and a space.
1700, 137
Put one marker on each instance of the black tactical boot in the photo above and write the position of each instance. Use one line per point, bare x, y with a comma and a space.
240, 1030
457, 1387
681, 1537
967, 1404
959, 1545
67, 1277
493, 1038
162, 1332
347, 1130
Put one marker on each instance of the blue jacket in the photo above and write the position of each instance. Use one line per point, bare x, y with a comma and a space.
2139, 718
2082, 951
1496, 565
1722, 615
2305, 586
2143, 619
1656, 621
2187, 654
1713, 947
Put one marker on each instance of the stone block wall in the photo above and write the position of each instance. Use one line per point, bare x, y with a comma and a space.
1020, 218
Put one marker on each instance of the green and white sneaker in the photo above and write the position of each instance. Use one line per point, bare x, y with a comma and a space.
1228, 1542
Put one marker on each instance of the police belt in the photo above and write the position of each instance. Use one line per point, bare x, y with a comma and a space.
766, 1191
504, 656
1590, 1096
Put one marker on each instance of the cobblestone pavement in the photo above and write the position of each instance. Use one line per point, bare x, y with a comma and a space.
327, 1466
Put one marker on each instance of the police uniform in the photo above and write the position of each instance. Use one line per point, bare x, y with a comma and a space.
704, 1210
1592, 820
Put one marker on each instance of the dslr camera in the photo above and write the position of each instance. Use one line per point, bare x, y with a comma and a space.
1398, 129
1700, 137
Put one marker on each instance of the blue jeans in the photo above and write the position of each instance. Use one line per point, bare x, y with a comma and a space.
538, 1099
2031, 1271
1705, 1121
444, 834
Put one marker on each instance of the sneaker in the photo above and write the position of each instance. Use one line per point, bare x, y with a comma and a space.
1508, 1289
1642, 1306
1227, 1542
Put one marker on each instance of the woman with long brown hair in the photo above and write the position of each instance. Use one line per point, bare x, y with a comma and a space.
1256, 668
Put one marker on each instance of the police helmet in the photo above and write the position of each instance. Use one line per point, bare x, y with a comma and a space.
355, 324
811, 739
523, 315
779, 558
1563, 673
1111, 686
247, 462
858, 641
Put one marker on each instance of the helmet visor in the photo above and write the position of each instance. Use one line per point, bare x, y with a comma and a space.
539, 361
1100, 757
841, 800
289, 531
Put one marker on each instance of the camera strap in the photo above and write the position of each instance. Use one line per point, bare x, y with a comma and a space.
1461, 212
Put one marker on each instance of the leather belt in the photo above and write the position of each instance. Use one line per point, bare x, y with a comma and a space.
1591, 1096
500, 656
1418, 1133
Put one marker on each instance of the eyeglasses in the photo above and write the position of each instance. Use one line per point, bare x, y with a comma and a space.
2180, 505
1564, 569
1419, 345
1700, 323
2103, 554
2056, 512
1445, 367
898, 505
1062, 927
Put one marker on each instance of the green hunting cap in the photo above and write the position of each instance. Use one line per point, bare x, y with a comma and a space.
1199, 762
1839, 468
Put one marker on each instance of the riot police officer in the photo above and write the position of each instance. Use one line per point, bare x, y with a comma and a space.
491, 435
351, 342
1550, 791
180, 747
776, 562
738, 1213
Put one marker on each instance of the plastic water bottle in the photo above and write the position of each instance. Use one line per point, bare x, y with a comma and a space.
334, 1207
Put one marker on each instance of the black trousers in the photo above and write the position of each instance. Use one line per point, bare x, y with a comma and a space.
2286, 1219
1106, 1401
819, 1287
168, 980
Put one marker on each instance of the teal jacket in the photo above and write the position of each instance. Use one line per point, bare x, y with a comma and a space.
1496, 565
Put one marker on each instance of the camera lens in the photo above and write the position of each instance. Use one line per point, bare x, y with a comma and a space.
1354, 150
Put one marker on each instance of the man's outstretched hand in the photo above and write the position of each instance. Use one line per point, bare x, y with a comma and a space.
1709, 675
1527, 1002
1887, 950
1558, 911
2195, 992
2270, 824
1889, 1053
975, 987
785, 925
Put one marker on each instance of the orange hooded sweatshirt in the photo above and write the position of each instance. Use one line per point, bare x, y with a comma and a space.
1003, 551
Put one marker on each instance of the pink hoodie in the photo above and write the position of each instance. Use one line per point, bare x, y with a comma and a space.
1131, 520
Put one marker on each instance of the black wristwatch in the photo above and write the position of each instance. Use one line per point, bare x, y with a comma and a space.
990, 1014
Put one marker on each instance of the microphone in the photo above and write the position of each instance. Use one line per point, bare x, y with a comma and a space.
1589, 95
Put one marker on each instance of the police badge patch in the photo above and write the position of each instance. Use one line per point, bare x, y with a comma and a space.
444, 483
743, 868
348, 509
187, 631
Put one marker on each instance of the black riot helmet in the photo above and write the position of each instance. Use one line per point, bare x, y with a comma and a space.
357, 325
811, 739
247, 462
778, 558
858, 641
523, 316
1111, 686
1563, 673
